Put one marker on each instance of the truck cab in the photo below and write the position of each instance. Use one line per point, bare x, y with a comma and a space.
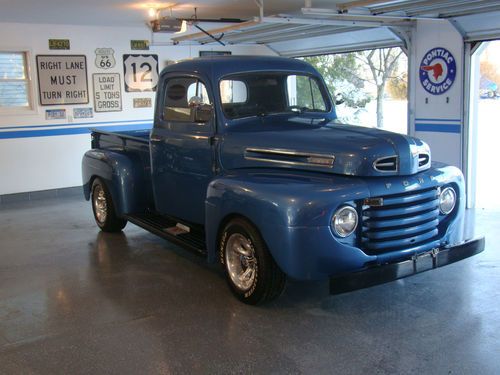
248, 166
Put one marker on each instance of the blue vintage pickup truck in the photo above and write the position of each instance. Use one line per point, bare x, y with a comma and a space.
247, 166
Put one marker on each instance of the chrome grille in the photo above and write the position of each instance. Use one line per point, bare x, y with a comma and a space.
405, 221
387, 164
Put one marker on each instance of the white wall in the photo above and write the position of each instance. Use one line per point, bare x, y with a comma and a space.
441, 114
32, 160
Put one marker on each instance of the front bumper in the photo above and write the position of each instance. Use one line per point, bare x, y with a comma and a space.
380, 274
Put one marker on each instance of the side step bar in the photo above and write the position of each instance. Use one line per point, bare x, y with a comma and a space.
192, 238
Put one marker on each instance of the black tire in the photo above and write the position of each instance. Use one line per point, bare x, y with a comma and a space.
108, 221
269, 281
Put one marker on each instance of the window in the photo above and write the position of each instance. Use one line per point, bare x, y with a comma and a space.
264, 93
304, 92
179, 93
198, 89
14, 81
233, 91
370, 87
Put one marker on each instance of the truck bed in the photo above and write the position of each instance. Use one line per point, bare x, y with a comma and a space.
134, 145
126, 140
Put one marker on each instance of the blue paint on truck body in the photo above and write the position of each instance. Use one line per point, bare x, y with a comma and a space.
286, 172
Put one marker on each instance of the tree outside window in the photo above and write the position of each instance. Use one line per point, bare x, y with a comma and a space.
372, 83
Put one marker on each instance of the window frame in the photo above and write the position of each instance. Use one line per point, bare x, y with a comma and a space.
164, 96
312, 78
330, 106
32, 107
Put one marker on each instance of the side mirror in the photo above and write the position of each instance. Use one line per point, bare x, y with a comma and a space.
201, 112
339, 99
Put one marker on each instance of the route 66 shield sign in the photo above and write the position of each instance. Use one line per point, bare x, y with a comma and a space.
104, 58
140, 72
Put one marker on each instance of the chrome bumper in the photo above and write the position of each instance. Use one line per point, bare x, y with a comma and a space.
380, 274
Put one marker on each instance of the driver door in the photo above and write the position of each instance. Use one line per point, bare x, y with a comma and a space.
182, 155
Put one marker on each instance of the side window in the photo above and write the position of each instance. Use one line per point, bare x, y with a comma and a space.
178, 93
304, 92
14, 81
232, 91
198, 89
317, 98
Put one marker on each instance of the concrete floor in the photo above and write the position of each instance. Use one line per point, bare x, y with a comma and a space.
74, 300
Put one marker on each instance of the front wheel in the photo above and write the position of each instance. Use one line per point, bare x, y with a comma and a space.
251, 272
103, 208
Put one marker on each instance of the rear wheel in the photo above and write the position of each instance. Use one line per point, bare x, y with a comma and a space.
251, 272
103, 208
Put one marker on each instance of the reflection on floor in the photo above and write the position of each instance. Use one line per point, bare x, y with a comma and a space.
74, 300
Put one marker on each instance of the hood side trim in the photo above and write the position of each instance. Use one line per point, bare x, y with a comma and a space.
290, 157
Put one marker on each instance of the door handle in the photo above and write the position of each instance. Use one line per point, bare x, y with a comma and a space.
155, 139
212, 140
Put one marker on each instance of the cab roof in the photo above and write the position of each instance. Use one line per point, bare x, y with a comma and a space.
215, 67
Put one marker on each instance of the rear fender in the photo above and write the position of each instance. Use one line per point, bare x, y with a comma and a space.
123, 175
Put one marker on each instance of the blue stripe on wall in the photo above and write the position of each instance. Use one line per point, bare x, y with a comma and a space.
72, 131
437, 120
76, 124
438, 128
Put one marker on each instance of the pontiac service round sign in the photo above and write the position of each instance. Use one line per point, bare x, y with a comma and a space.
437, 71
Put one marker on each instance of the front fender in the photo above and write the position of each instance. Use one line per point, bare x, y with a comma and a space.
123, 176
279, 203
293, 211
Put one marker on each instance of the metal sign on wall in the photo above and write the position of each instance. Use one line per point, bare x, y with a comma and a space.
55, 114
105, 58
62, 79
83, 113
142, 102
107, 92
140, 72
139, 45
438, 70
59, 44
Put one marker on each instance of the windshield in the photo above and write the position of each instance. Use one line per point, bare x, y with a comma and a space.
257, 94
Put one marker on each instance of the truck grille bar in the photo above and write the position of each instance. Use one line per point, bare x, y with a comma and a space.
404, 221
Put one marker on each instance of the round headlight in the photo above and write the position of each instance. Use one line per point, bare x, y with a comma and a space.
447, 200
345, 221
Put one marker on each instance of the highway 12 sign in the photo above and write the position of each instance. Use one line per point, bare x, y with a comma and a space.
140, 72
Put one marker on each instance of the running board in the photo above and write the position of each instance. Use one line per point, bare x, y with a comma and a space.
190, 237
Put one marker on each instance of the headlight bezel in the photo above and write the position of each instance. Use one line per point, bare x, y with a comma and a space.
444, 191
334, 224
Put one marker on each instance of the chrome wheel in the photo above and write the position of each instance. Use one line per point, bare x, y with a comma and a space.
100, 204
240, 261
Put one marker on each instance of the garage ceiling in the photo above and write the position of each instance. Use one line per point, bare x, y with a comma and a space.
134, 13
351, 25
287, 24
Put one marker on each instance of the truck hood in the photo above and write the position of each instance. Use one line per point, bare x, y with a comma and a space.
323, 146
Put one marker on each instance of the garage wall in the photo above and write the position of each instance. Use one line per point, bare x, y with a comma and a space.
33, 153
